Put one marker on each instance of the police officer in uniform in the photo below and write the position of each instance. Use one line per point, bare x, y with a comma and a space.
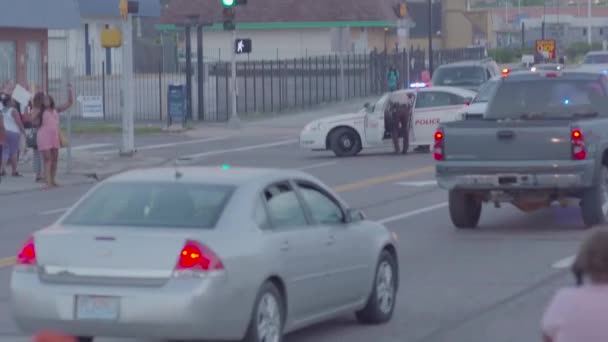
400, 112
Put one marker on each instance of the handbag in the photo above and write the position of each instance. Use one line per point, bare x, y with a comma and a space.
63, 141
31, 138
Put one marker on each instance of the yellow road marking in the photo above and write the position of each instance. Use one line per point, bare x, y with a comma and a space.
364, 183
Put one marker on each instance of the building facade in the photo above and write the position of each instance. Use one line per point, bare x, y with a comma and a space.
24, 37
81, 47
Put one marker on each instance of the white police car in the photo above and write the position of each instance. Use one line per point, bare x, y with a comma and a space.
348, 134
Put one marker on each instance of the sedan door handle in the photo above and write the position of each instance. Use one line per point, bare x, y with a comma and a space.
331, 240
285, 246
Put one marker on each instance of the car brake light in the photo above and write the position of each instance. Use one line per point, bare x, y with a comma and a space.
438, 146
197, 258
27, 256
505, 71
467, 104
579, 150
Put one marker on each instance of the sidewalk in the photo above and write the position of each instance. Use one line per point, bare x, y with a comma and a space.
89, 167
86, 168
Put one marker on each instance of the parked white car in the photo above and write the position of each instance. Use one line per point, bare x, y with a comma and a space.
480, 101
348, 134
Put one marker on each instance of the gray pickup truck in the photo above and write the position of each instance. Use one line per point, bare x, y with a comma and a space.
543, 139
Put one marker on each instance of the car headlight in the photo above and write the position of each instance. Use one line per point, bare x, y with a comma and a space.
313, 126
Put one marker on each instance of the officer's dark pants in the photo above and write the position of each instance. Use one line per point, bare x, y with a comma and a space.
400, 127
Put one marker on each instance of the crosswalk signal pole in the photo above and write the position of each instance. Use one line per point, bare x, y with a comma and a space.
234, 117
229, 25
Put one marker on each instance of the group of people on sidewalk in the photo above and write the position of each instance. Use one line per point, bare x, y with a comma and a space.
35, 126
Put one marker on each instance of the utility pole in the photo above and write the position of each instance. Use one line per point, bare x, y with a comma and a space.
234, 116
430, 37
127, 96
589, 27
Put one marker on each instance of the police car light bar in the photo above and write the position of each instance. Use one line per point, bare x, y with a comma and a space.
418, 85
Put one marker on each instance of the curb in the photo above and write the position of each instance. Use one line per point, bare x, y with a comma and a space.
90, 177
100, 176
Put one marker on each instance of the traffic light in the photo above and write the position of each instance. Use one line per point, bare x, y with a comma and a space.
229, 13
228, 3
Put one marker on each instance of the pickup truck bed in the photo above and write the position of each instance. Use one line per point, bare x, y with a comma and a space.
528, 163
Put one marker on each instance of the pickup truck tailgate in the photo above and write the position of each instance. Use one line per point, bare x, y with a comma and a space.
488, 140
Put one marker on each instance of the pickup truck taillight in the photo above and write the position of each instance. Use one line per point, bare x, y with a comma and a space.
579, 150
438, 145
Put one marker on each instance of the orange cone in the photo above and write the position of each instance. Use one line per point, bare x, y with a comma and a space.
50, 336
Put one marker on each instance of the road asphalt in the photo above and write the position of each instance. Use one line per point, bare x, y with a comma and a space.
490, 284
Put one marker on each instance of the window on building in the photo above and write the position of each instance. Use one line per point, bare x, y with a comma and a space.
8, 61
33, 62
584, 32
602, 30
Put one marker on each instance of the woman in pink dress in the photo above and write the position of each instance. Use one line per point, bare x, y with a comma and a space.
48, 136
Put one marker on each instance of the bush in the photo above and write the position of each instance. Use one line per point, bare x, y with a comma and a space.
579, 49
508, 55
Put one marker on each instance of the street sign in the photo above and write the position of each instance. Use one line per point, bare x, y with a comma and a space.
546, 48
242, 46
92, 106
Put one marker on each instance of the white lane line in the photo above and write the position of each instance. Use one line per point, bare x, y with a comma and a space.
89, 146
419, 183
240, 149
159, 146
564, 263
315, 166
413, 213
53, 212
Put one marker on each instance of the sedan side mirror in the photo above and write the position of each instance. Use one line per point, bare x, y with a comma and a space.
367, 106
354, 215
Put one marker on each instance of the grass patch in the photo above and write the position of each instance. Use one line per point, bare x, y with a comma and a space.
110, 129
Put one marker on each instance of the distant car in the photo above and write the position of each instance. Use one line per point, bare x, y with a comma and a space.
596, 57
480, 101
205, 254
349, 134
547, 67
467, 74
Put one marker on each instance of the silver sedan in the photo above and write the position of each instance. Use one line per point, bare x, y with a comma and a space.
205, 253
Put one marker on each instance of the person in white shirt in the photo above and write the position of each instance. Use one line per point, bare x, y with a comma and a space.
14, 129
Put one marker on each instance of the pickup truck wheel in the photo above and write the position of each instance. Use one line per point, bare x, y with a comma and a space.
594, 205
465, 209
345, 142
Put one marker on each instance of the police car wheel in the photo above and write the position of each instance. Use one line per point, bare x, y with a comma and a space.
345, 142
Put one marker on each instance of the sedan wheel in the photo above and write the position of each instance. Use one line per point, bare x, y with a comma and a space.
267, 319
381, 303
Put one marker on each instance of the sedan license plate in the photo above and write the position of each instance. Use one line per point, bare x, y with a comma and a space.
97, 307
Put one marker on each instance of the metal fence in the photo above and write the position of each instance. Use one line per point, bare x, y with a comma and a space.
263, 86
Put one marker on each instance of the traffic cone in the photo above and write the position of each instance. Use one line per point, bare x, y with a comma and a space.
50, 336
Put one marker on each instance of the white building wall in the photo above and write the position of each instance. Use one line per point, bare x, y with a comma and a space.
267, 44
67, 47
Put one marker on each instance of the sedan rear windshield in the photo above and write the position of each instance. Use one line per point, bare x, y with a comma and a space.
459, 76
596, 59
146, 204
548, 98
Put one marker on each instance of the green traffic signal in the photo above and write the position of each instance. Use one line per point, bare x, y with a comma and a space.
228, 3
